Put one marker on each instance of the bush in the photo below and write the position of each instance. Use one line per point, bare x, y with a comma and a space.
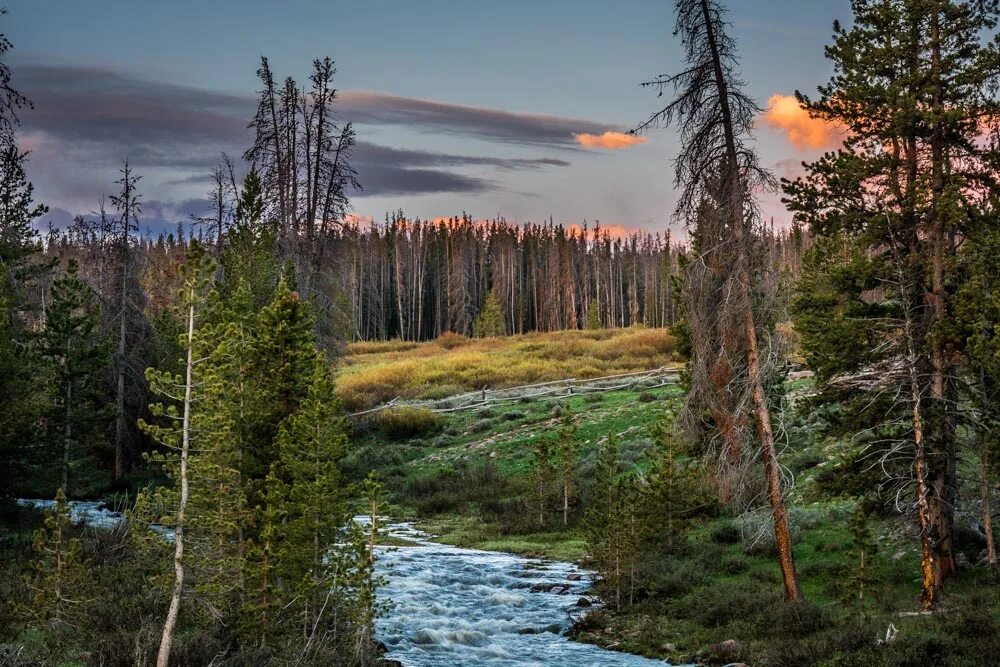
513, 415
726, 533
449, 340
404, 423
483, 425
646, 397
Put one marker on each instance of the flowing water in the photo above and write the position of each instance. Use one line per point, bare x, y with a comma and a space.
455, 607
452, 607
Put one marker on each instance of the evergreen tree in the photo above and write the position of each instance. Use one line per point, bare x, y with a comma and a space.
542, 474
74, 350
490, 322
860, 574
594, 315
912, 89
566, 452
59, 580
195, 433
311, 442
250, 256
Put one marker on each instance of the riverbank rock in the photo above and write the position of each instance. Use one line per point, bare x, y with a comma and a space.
584, 602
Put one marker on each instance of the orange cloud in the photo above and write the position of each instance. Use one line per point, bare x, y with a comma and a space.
608, 140
786, 114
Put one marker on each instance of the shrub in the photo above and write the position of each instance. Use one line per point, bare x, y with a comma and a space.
726, 533
449, 340
513, 415
404, 423
482, 425
646, 397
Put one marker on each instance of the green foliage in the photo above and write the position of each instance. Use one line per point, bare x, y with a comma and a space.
76, 356
594, 315
250, 258
860, 575
59, 581
490, 321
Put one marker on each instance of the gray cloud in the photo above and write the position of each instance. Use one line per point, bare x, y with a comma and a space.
87, 119
490, 124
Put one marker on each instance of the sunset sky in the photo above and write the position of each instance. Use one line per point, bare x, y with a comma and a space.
510, 108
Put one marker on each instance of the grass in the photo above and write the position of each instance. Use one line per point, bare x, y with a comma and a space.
376, 372
469, 483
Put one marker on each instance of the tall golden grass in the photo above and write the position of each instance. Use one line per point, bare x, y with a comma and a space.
376, 372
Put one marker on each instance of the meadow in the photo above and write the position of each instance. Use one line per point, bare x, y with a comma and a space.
371, 373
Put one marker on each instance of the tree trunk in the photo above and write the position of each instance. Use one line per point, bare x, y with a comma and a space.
167, 638
67, 435
761, 408
984, 489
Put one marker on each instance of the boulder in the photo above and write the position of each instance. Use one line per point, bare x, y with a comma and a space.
576, 576
584, 602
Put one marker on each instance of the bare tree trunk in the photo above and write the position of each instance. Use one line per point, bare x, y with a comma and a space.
761, 407
984, 489
167, 638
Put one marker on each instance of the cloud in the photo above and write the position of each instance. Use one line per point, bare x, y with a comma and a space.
804, 132
87, 119
371, 108
608, 140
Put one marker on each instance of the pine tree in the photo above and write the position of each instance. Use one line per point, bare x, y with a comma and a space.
311, 442
542, 474
250, 256
74, 350
59, 578
910, 91
490, 322
567, 449
600, 515
730, 290
200, 507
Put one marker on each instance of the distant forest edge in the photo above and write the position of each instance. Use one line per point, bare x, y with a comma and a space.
416, 280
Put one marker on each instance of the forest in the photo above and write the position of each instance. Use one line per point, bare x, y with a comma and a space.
285, 434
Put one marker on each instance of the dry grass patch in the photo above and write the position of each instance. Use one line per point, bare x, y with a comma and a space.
376, 372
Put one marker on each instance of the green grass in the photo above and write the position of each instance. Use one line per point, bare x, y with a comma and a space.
468, 483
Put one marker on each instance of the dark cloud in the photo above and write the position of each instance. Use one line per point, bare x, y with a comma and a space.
490, 124
86, 120
386, 170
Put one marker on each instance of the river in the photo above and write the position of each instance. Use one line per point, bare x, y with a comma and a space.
452, 607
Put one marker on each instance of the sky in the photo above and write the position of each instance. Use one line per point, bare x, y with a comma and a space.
513, 108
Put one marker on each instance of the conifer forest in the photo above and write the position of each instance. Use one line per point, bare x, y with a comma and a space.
480, 345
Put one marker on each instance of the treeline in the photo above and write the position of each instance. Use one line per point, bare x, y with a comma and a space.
416, 280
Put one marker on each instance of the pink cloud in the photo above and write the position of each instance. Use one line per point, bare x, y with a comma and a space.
608, 140
802, 130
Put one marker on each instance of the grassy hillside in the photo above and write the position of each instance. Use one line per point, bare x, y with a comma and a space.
375, 372
466, 477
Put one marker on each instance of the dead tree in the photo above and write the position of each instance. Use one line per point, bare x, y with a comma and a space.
717, 172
